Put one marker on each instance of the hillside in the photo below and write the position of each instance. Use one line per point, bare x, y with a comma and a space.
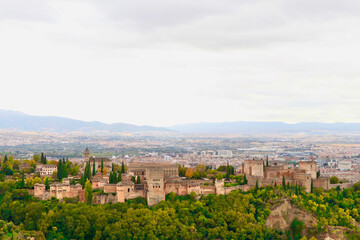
13, 120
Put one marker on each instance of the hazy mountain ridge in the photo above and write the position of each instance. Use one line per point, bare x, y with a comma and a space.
20, 121
23, 122
243, 127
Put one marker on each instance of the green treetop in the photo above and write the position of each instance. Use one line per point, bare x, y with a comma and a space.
88, 192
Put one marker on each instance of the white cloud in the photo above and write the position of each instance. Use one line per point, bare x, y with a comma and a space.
167, 62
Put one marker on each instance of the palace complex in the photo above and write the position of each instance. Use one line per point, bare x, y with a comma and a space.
303, 175
158, 179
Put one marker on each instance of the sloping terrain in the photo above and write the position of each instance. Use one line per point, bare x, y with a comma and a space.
282, 216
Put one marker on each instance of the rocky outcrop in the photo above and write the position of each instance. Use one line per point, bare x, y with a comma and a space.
282, 216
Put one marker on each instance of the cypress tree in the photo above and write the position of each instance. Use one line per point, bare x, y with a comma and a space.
275, 185
88, 192
267, 161
283, 182
47, 185
5, 158
113, 177
227, 170
43, 159
133, 179
245, 181
22, 184
102, 165
311, 187
256, 186
65, 173
60, 169
138, 180
87, 172
122, 167
94, 171
82, 180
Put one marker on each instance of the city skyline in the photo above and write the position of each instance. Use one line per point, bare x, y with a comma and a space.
165, 63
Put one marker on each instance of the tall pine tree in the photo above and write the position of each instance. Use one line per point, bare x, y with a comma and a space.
122, 167
22, 184
283, 182
93, 171
102, 165
138, 180
43, 159
47, 185
60, 170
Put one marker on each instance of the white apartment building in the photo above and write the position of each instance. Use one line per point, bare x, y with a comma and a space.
46, 169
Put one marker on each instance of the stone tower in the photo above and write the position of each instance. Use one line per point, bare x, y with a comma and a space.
254, 168
155, 182
86, 154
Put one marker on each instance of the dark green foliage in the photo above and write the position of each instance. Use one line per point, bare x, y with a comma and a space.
133, 179
238, 215
283, 183
334, 180
113, 178
59, 170
138, 180
5, 158
62, 170
267, 161
122, 167
312, 186
87, 171
297, 227
93, 171
43, 159
102, 165
245, 181
82, 180
47, 185
229, 170
22, 183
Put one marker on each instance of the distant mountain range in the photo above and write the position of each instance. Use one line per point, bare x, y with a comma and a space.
12, 120
267, 128
23, 122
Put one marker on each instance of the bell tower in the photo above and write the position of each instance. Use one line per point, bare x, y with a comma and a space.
86, 154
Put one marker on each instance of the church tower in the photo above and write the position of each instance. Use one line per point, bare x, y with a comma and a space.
86, 154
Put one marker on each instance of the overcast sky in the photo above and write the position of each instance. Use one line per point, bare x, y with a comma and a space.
180, 61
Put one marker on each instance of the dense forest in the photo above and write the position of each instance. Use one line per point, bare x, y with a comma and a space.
239, 215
